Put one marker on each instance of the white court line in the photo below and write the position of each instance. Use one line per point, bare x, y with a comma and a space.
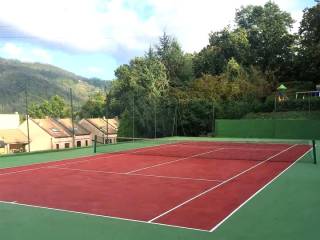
52, 161
109, 155
253, 149
222, 183
96, 157
21, 171
118, 153
173, 161
261, 189
56, 165
33, 169
98, 215
171, 177
136, 174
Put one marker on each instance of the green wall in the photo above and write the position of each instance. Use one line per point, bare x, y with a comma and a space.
257, 128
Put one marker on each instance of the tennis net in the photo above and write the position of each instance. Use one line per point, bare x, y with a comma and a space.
216, 149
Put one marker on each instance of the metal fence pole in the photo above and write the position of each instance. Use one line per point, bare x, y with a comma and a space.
314, 150
95, 144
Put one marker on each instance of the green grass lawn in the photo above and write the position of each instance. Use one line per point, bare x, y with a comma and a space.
288, 209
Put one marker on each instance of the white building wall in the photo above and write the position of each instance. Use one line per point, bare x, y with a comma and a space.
9, 121
63, 143
39, 139
83, 140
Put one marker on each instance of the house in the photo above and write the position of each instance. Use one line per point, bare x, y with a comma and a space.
12, 141
45, 134
98, 127
9, 121
83, 137
2, 147
50, 134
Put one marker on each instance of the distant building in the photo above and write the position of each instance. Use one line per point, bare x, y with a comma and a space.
82, 136
49, 134
9, 121
2, 147
98, 127
12, 141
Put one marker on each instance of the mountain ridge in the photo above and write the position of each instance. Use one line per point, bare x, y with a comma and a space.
43, 81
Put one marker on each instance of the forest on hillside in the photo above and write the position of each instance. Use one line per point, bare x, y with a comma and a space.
169, 91
43, 81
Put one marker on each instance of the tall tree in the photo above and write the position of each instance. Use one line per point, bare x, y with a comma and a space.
223, 46
309, 54
178, 65
94, 107
137, 88
55, 107
268, 32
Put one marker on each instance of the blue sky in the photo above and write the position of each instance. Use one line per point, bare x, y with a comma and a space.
93, 37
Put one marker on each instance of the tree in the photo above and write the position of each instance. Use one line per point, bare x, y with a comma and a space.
231, 43
268, 33
178, 65
223, 46
209, 61
55, 107
309, 52
233, 70
139, 85
94, 107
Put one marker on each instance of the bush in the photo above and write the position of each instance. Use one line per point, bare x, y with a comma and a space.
311, 104
238, 109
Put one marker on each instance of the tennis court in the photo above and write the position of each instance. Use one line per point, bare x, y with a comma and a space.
185, 184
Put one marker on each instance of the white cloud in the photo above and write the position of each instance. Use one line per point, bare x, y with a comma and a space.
110, 26
41, 55
11, 50
95, 70
192, 21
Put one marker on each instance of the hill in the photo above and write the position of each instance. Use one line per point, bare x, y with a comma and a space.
43, 81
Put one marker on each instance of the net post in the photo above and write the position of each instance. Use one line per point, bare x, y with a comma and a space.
314, 151
95, 144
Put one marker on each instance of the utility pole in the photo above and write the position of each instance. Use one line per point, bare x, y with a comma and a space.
155, 119
133, 117
107, 112
27, 115
72, 118
213, 121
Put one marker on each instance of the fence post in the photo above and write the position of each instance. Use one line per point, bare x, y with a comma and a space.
95, 144
314, 151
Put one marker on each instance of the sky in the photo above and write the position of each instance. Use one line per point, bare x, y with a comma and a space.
92, 38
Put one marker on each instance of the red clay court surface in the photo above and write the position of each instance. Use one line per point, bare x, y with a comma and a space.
198, 190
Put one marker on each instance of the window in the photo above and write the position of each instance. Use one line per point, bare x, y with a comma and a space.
67, 145
55, 130
78, 143
57, 146
86, 143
